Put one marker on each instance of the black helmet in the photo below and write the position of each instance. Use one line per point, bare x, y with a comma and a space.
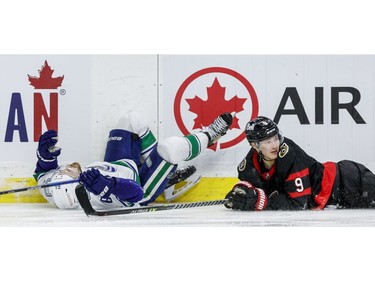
260, 128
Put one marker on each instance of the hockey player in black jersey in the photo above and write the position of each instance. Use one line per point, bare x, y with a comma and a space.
277, 174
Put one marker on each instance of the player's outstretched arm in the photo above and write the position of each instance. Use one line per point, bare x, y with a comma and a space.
124, 189
47, 152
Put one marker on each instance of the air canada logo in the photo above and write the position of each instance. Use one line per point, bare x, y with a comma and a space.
45, 100
45, 79
209, 92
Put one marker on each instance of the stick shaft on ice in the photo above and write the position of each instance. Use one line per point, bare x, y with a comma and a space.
90, 211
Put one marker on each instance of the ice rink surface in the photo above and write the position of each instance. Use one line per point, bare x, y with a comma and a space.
35, 215
40, 242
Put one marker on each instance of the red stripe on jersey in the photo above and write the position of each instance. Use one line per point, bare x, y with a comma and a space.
306, 191
266, 175
329, 175
255, 162
299, 174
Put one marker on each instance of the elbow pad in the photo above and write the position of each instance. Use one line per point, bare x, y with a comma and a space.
128, 190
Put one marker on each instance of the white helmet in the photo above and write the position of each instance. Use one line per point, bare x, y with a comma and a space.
64, 195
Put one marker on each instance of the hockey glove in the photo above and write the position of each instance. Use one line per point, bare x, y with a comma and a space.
96, 183
47, 152
47, 149
245, 197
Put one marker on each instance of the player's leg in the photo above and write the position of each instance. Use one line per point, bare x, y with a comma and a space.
177, 149
123, 144
159, 167
218, 128
357, 189
181, 174
132, 139
134, 122
154, 174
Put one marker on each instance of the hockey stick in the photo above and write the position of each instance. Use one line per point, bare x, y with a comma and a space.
38, 186
90, 211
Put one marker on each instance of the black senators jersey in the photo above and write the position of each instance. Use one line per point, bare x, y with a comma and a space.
296, 181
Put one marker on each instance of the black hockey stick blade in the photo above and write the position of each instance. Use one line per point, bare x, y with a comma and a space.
84, 201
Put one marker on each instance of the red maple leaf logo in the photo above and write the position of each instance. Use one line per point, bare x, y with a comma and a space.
216, 104
45, 80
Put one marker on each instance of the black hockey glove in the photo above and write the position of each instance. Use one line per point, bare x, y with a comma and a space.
245, 197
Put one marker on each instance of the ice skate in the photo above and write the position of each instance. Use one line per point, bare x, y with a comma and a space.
182, 181
218, 128
181, 174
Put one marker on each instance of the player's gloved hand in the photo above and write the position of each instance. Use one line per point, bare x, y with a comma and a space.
47, 149
96, 183
245, 197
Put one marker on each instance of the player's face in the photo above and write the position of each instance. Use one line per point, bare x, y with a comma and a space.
270, 147
72, 170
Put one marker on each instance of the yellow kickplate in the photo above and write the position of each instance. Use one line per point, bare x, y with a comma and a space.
205, 190
30, 196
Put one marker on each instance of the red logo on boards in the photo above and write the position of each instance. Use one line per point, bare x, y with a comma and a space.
211, 91
41, 114
45, 79
45, 106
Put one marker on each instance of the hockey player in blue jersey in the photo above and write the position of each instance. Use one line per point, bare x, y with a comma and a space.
136, 168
